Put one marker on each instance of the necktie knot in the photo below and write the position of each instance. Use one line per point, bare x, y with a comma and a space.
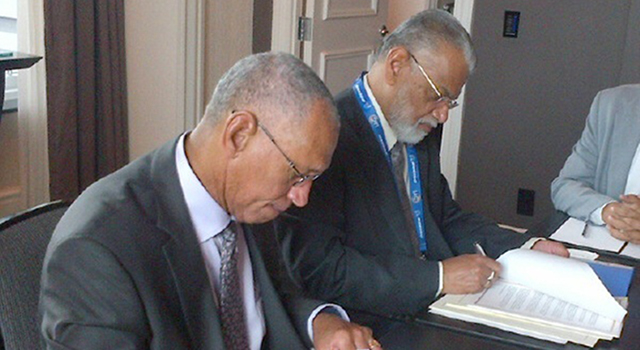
228, 237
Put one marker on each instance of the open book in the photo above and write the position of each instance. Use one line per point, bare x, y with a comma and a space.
543, 296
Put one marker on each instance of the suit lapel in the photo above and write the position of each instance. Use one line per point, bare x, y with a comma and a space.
378, 174
428, 155
183, 254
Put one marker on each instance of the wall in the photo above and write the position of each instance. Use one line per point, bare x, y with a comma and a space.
152, 43
527, 101
400, 10
228, 38
631, 64
262, 25
158, 60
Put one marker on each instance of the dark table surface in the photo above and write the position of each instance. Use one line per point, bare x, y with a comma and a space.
428, 331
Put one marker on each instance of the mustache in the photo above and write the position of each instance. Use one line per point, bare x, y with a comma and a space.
432, 121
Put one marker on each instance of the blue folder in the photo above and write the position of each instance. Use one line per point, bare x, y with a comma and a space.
617, 278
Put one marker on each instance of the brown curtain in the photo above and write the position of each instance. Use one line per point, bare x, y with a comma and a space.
86, 92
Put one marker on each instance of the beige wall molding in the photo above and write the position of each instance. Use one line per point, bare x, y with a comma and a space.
336, 9
450, 150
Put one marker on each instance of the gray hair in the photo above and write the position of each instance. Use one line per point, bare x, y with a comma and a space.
428, 30
266, 81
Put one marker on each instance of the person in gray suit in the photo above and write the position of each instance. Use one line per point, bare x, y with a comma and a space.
600, 181
151, 257
382, 232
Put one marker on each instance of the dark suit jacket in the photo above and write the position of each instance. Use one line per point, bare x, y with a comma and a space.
351, 243
124, 270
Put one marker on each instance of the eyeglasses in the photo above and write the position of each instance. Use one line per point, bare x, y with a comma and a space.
301, 178
451, 104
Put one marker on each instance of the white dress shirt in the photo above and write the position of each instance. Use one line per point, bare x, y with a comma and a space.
633, 180
632, 187
210, 219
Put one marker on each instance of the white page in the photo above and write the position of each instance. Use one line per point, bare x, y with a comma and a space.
563, 278
594, 236
456, 306
582, 254
632, 250
515, 299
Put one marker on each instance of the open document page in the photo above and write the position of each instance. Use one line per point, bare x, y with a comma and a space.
632, 250
542, 296
580, 233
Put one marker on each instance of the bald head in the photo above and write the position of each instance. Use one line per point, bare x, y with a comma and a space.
269, 129
272, 81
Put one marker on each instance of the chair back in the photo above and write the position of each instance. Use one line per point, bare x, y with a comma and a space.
23, 243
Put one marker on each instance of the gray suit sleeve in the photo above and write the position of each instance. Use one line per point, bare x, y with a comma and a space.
573, 191
88, 300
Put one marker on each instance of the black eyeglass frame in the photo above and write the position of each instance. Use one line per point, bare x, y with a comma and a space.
302, 178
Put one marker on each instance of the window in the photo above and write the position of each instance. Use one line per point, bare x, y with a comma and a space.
9, 42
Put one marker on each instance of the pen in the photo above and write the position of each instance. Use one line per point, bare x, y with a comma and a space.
584, 230
479, 249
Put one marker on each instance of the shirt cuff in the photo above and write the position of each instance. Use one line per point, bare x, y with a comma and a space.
328, 308
531, 242
440, 278
596, 216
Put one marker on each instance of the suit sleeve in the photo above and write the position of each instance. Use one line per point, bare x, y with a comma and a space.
88, 301
573, 190
462, 229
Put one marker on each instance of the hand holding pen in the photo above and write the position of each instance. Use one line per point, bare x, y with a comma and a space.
480, 250
469, 273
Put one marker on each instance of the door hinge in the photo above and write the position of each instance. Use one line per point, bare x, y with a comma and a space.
305, 27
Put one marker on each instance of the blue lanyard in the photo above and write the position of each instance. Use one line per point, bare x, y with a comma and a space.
415, 183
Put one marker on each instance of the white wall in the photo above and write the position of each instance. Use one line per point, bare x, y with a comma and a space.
163, 59
152, 30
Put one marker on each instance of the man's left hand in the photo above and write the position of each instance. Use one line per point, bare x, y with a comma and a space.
551, 247
623, 221
331, 332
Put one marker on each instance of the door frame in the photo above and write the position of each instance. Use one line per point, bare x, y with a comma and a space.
450, 148
284, 26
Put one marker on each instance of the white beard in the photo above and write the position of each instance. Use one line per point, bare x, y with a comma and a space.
402, 111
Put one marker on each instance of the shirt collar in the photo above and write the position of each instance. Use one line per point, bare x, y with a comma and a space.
389, 135
208, 217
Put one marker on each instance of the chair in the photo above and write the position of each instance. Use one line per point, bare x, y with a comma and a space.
23, 242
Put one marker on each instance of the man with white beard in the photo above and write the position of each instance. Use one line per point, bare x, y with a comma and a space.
382, 232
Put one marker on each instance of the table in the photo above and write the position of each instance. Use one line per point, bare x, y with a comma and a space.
16, 60
428, 331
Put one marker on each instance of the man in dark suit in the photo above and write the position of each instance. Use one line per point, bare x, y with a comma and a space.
382, 232
151, 256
